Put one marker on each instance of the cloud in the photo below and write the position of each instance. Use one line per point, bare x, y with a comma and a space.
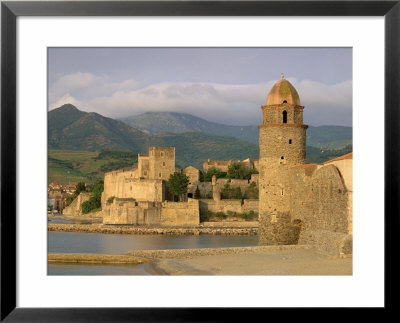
85, 86
223, 103
65, 99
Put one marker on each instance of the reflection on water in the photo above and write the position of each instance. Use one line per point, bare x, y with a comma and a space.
76, 242
87, 269
55, 220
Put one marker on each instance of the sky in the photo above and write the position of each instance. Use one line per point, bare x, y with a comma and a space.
223, 85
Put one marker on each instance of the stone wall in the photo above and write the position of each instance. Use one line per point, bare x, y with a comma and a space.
125, 185
143, 165
75, 208
204, 187
322, 206
235, 206
180, 213
161, 162
129, 211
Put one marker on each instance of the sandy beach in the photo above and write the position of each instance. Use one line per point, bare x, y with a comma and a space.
274, 262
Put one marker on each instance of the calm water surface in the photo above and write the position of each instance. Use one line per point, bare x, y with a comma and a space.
76, 242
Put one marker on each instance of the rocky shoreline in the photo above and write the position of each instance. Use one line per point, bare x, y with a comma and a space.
118, 229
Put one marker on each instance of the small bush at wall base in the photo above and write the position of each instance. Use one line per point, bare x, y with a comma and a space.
205, 215
220, 215
248, 216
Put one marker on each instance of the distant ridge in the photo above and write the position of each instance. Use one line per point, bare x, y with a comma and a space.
72, 129
325, 137
74, 136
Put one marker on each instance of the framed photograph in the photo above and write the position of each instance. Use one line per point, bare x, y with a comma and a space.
137, 126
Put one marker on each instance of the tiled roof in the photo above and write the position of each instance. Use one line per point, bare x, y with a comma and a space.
347, 156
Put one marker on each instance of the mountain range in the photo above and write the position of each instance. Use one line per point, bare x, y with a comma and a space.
325, 137
195, 139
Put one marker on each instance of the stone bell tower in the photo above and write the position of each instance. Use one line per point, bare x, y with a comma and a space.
282, 145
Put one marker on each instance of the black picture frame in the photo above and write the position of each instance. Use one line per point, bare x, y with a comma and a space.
10, 10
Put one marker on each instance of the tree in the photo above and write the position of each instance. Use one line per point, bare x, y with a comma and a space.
226, 191
252, 191
197, 193
238, 193
206, 176
238, 171
178, 184
80, 187
95, 201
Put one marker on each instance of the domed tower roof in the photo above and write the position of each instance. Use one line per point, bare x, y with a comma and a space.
283, 91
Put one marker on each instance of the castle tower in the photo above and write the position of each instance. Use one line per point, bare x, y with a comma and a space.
282, 145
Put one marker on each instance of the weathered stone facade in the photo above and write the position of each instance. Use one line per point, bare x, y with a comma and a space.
282, 146
223, 165
75, 208
138, 196
129, 211
226, 206
306, 204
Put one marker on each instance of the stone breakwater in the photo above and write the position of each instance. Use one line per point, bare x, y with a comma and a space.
99, 228
94, 258
188, 253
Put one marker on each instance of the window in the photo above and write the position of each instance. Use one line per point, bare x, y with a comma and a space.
284, 101
281, 157
162, 154
163, 163
159, 174
290, 141
284, 116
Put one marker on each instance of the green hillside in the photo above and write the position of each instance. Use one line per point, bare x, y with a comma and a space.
66, 166
71, 129
326, 137
93, 132
82, 146
159, 122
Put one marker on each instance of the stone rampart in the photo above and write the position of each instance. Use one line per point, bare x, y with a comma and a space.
125, 185
75, 208
129, 211
231, 205
180, 213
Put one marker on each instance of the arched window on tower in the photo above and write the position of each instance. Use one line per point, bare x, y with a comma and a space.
284, 116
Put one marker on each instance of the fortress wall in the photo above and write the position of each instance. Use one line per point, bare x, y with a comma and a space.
345, 167
142, 190
112, 182
143, 165
75, 208
327, 216
193, 174
224, 206
330, 200
204, 187
180, 213
301, 198
321, 200
233, 183
126, 185
161, 162
127, 211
